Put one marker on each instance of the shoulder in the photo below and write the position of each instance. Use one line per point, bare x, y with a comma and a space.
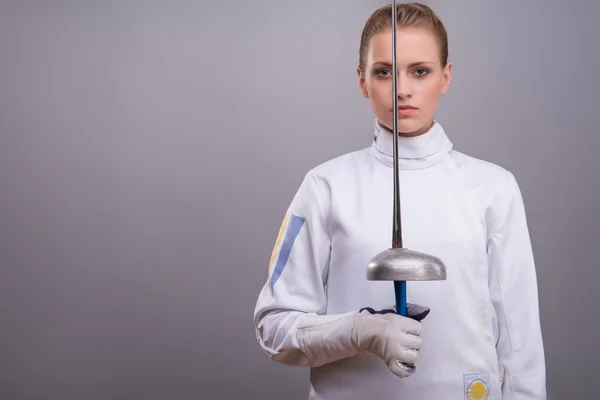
338, 172
339, 164
340, 168
485, 175
480, 171
493, 186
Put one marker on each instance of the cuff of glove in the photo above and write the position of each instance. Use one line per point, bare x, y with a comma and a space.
414, 311
327, 338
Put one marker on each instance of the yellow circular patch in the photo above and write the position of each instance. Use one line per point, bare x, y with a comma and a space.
478, 391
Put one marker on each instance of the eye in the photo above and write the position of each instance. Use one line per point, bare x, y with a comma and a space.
421, 71
382, 72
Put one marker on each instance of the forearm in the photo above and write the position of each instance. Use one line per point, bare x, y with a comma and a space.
306, 339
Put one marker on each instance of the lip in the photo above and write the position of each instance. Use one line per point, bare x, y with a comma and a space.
406, 111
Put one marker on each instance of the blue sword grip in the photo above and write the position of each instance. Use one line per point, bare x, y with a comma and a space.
400, 291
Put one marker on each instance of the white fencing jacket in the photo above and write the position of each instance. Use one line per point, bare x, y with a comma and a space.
482, 338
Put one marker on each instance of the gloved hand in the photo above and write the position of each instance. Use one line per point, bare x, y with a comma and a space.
390, 336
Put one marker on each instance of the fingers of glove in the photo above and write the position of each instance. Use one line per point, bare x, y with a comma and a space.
400, 369
405, 340
387, 335
402, 354
398, 323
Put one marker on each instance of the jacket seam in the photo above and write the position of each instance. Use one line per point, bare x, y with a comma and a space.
500, 285
320, 203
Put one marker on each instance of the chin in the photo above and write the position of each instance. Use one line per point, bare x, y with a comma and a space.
407, 126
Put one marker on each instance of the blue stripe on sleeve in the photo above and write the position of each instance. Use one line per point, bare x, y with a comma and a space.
292, 231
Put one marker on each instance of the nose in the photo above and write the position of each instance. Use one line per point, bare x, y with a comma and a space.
403, 87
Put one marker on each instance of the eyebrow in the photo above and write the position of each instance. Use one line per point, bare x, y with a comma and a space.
388, 64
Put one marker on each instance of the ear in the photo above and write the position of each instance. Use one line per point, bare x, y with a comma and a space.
361, 83
446, 77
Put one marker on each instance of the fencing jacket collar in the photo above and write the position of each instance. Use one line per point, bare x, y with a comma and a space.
415, 152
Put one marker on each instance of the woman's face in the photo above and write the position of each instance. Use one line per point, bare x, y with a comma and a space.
421, 79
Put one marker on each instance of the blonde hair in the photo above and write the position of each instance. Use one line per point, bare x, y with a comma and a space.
408, 15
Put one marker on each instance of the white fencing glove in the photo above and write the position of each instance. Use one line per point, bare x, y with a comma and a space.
327, 338
390, 336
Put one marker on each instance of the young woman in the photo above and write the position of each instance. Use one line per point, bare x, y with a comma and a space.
475, 335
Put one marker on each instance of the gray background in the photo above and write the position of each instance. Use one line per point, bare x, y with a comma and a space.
148, 151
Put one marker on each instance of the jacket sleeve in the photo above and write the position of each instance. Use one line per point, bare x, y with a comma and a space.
514, 290
289, 315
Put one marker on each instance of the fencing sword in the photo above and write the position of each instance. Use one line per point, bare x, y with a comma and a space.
399, 264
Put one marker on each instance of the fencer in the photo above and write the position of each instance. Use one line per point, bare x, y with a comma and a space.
474, 335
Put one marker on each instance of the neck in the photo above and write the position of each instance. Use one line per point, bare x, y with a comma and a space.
415, 151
